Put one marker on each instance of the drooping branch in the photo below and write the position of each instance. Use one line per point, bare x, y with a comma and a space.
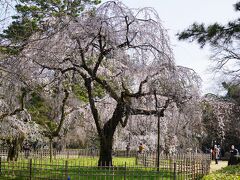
77, 68
88, 85
100, 58
139, 93
92, 73
64, 101
136, 111
108, 88
63, 71
102, 45
165, 106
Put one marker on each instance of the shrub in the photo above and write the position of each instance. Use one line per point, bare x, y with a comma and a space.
227, 173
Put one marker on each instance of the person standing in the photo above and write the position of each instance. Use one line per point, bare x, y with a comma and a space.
26, 149
233, 154
216, 153
212, 153
140, 148
128, 149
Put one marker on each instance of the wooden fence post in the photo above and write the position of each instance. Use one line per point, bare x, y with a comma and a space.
145, 159
30, 169
171, 163
66, 169
0, 165
193, 170
207, 166
136, 159
203, 171
175, 171
188, 167
125, 171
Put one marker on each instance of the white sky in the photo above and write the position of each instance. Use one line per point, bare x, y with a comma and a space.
177, 15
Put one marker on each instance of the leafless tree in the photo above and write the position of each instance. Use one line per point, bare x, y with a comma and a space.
6, 11
226, 60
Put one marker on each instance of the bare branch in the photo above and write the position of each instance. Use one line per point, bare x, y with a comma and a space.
64, 101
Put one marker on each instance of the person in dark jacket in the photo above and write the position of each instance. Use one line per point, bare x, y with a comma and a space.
26, 149
233, 154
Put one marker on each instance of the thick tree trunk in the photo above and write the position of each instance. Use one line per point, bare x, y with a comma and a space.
50, 149
106, 143
14, 148
12, 153
105, 158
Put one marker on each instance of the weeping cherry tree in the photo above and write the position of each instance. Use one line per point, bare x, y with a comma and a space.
115, 52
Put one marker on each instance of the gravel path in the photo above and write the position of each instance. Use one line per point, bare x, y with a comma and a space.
220, 165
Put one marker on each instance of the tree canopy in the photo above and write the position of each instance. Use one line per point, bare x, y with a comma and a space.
214, 34
37, 15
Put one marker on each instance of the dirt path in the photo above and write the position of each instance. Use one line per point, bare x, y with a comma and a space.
220, 165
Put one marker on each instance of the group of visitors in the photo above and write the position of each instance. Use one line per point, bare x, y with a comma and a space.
216, 154
140, 148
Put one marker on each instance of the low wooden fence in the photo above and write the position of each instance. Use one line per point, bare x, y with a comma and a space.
35, 169
189, 166
79, 164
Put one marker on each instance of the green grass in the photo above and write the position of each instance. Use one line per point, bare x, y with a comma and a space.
82, 161
227, 173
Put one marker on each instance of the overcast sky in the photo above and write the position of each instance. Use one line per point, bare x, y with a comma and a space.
177, 15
